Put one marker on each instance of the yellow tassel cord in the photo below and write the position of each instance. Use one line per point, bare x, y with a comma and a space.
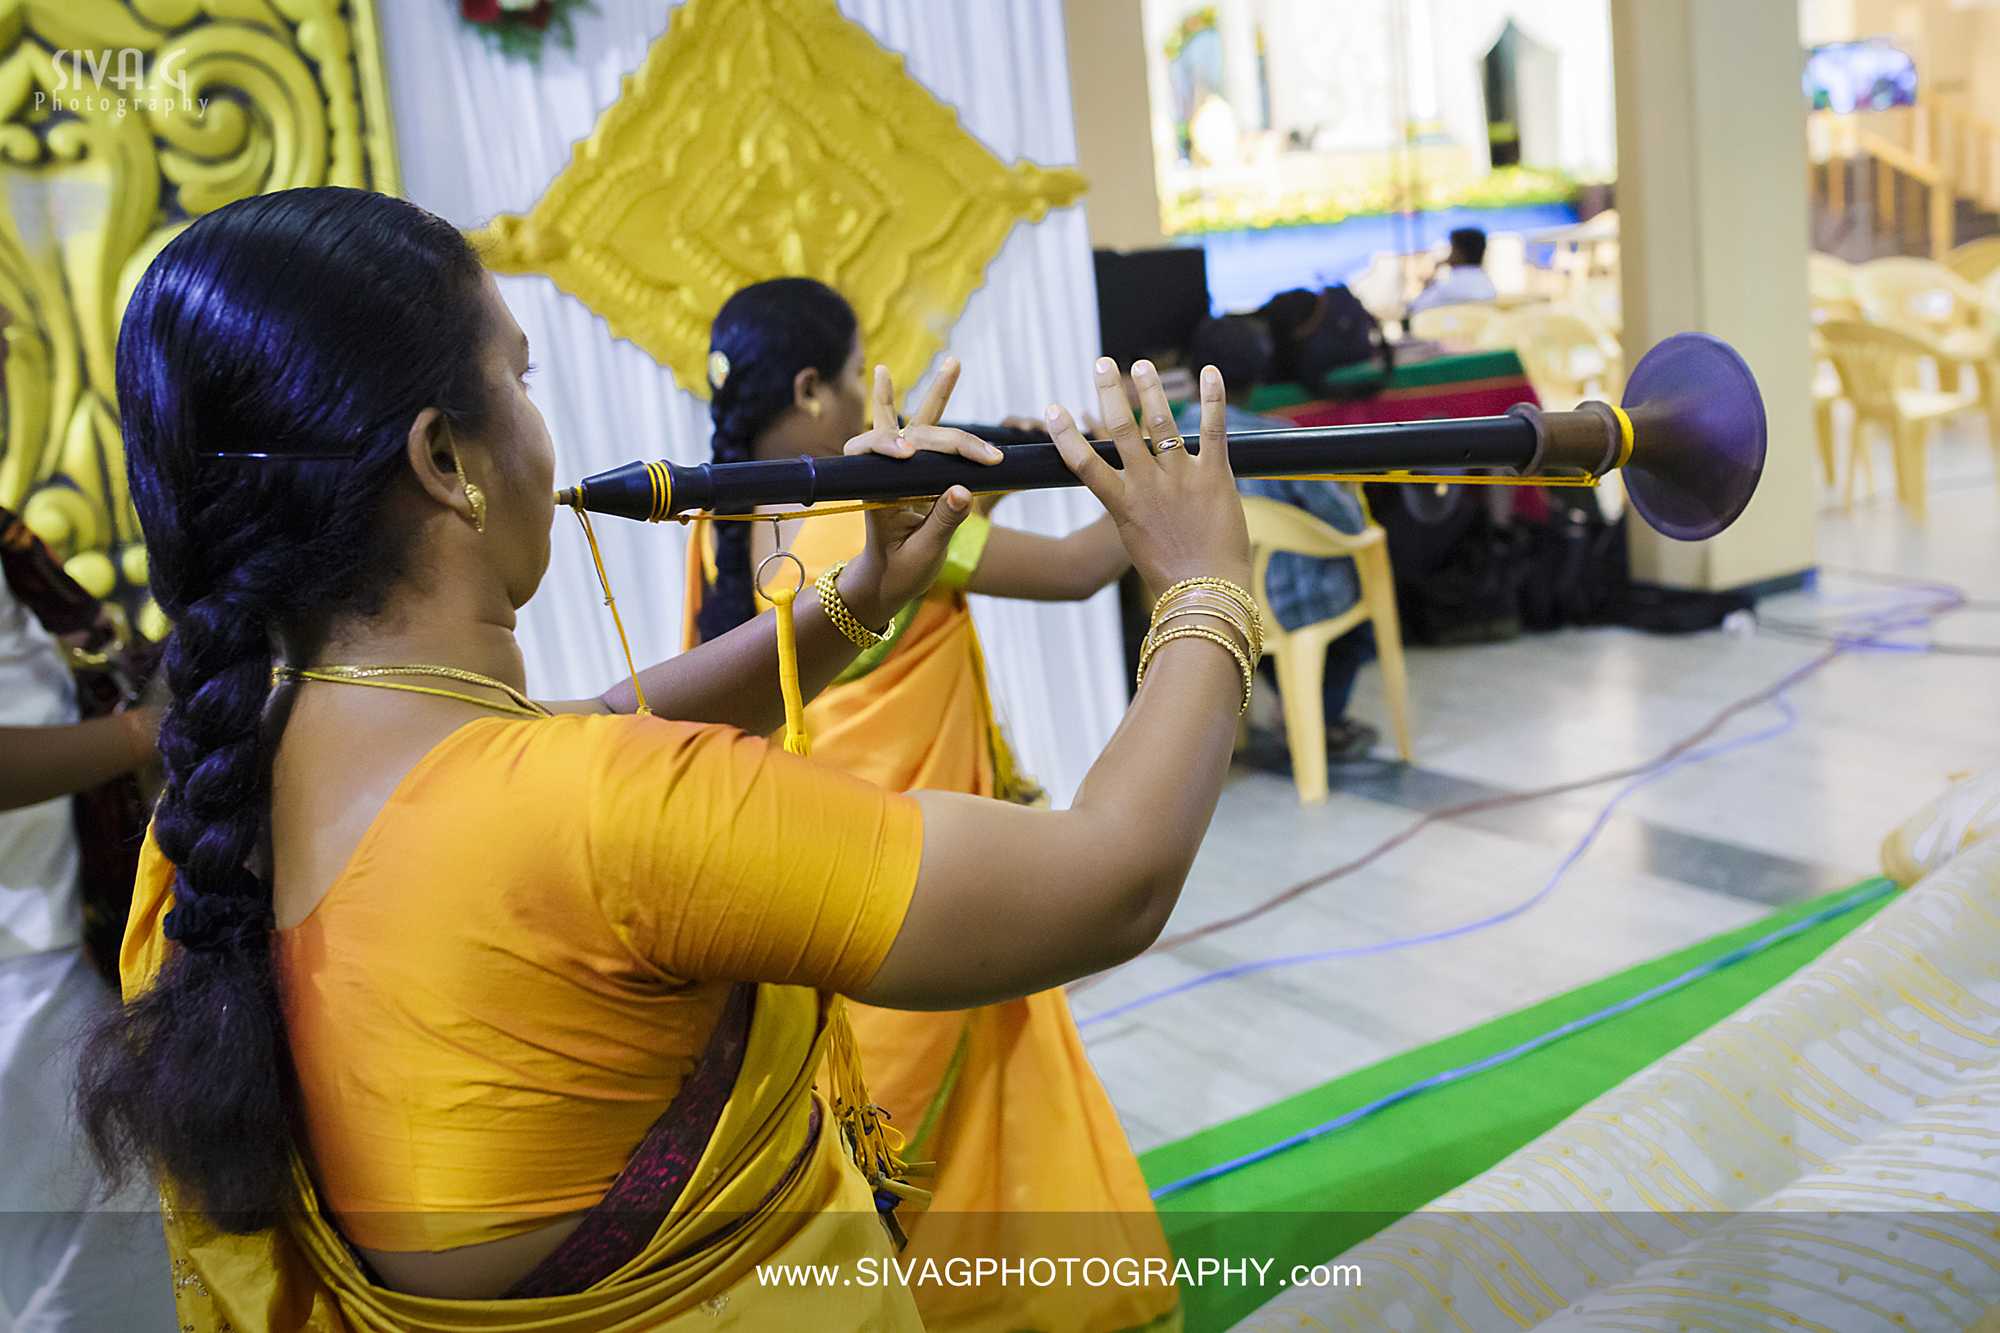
796, 739
875, 1144
604, 581
876, 1147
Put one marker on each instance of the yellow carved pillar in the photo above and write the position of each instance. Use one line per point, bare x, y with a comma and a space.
120, 122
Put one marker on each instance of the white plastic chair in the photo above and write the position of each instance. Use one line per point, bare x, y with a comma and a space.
1470, 326
1568, 356
1300, 654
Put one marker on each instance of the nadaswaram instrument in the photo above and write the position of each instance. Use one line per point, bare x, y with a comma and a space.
1689, 438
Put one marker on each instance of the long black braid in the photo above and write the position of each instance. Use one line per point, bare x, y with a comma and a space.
309, 326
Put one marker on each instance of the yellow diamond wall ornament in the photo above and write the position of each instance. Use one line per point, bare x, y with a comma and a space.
767, 138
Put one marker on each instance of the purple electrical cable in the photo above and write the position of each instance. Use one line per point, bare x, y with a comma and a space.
1575, 854
1864, 630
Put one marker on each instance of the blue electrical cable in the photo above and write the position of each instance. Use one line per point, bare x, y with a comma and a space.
1860, 897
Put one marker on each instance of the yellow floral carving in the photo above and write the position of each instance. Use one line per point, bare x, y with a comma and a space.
185, 105
763, 138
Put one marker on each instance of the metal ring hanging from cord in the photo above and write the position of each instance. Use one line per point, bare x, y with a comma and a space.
757, 579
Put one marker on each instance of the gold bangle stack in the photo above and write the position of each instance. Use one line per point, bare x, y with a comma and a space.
1215, 607
1215, 599
844, 620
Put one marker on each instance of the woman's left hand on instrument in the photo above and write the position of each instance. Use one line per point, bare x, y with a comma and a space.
906, 544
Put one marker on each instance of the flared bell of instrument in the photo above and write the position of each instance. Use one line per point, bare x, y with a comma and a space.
1698, 436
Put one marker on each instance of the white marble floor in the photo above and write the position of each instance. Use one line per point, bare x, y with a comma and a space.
1706, 847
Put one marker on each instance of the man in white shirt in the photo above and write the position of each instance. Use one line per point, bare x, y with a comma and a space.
70, 1260
1461, 279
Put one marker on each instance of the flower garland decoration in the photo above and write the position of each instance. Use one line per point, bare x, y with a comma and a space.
522, 28
1191, 26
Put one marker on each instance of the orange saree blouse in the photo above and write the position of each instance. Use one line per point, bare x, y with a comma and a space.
528, 949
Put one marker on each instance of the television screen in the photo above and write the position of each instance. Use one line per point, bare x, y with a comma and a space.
1859, 76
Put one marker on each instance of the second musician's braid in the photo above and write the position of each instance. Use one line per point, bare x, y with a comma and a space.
764, 335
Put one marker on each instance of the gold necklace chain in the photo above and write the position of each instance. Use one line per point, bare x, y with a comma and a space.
519, 704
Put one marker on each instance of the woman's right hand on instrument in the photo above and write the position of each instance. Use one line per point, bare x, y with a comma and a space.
1051, 895
906, 545
1177, 511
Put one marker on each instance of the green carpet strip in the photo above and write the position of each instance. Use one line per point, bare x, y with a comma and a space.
1342, 1176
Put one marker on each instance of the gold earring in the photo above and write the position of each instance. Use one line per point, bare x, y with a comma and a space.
812, 408
477, 499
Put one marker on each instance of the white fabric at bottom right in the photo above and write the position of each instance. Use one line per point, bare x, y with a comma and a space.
1824, 1159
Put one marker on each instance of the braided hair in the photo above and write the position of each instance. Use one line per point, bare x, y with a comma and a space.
308, 328
764, 335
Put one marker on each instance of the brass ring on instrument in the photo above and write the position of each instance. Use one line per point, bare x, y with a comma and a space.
757, 579
1171, 442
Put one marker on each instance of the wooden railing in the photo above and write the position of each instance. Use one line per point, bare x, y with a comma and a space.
1964, 144
1941, 149
1838, 141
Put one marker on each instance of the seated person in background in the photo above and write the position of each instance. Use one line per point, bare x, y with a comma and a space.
1461, 279
1303, 590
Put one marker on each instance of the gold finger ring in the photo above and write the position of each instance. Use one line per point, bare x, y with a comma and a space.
1171, 442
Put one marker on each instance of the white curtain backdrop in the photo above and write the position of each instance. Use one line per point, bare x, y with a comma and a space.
479, 134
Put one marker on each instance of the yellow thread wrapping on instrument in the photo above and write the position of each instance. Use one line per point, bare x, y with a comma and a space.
604, 581
1624, 435
663, 491
1441, 479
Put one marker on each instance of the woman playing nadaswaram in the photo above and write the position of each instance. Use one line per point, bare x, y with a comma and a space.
451, 1009
1030, 1156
